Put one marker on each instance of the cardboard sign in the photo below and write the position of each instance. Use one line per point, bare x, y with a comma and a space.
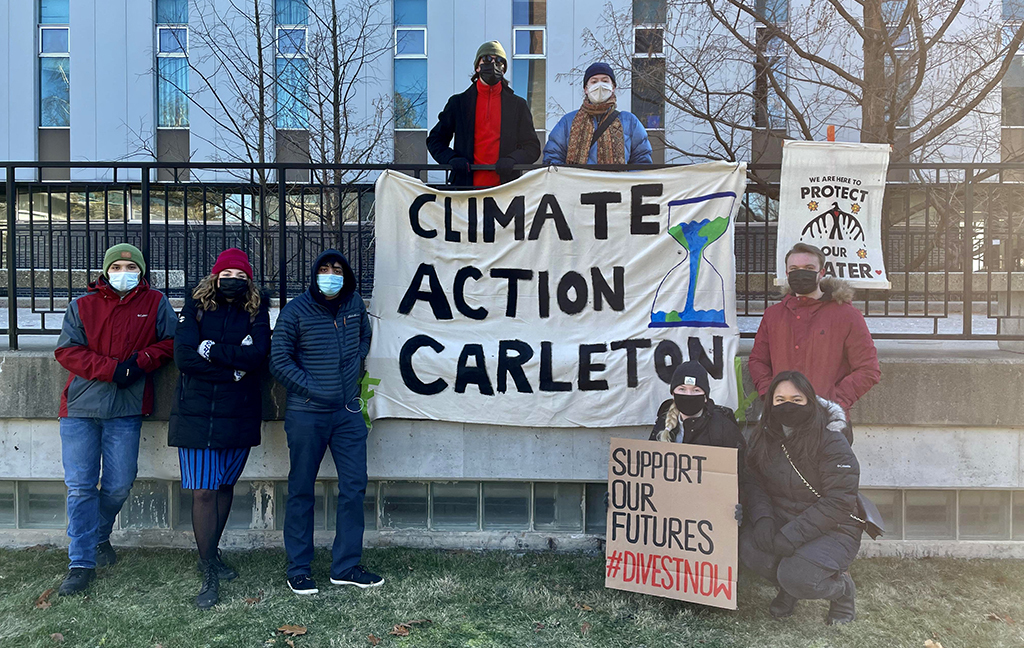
672, 529
563, 299
830, 196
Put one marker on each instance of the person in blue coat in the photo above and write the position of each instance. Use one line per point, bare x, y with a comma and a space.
620, 137
318, 346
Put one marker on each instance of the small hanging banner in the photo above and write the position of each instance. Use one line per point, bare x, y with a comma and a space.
831, 197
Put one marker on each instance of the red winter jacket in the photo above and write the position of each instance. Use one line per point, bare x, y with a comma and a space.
100, 329
825, 339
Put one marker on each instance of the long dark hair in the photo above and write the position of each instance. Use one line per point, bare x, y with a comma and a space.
805, 440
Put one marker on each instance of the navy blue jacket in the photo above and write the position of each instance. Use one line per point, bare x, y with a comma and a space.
211, 408
316, 353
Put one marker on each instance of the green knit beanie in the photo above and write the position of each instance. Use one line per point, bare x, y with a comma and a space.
493, 48
123, 252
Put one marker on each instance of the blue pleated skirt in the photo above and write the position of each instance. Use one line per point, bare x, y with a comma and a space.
211, 468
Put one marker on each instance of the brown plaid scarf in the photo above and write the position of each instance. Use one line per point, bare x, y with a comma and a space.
611, 148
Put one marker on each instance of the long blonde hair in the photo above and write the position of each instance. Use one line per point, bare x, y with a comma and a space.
206, 294
671, 422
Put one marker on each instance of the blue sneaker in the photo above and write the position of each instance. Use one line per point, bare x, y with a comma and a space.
359, 577
302, 584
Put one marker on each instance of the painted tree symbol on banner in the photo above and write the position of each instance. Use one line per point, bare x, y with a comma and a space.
695, 237
844, 226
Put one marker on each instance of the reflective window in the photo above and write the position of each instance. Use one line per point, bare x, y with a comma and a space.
649, 41
775, 11
172, 12
173, 40
596, 508
930, 515
529, 42
54, 12
529, 80
54, 40
649, 12
172, 92
291, 41
55, 91
648, 91
240, 516
890, 505
506, 506
410, 12
529, 12
291, 12
455, 506
7, 519
147, 506
1018, 515
411, 93
411, 42
984, 515
404, 505
292, 93
558, 507
42, 505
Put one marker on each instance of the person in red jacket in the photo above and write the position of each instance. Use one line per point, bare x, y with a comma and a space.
817, 331
112, 339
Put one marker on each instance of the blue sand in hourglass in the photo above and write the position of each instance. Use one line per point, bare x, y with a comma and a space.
695, 236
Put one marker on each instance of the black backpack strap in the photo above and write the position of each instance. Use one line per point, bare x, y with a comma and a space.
603, 126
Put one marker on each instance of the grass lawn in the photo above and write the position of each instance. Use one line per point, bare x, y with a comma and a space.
490, 599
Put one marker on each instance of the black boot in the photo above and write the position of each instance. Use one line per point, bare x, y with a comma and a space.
783, 605
76, 581
841, 610
105, 555
209, 593
225, 572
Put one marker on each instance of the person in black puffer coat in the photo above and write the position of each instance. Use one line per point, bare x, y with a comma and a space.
320, 341
220, 347
690, 416
804, 480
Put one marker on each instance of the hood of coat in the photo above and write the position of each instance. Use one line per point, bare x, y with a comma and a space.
834, 289
330, 256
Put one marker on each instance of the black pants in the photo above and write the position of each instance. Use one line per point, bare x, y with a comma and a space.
799, 577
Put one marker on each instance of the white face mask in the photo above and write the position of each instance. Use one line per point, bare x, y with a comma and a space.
600, 91
123, 281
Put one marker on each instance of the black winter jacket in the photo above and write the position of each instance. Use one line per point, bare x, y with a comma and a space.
518, 137
211, 409
317, 353
821, 529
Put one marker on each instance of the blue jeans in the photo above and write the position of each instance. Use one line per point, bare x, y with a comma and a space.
91, 510
309, 435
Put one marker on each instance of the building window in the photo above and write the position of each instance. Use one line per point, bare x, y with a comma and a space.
773, 11
410, 81
648, 71
292, 67
54, 64
770, 80
172, 64
529, 62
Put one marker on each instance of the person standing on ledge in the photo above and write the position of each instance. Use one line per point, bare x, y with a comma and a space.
597, 133
321, 339
490, 123
112, 339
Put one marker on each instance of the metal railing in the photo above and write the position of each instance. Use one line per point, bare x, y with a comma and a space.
951, 237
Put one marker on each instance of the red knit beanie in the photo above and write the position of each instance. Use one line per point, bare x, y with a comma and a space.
232, 259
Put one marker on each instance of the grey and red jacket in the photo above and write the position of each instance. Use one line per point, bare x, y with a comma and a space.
102, 328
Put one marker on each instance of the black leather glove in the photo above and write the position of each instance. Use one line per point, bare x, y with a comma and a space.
128, 372
764, 533
459, 164
504, 166
783, 547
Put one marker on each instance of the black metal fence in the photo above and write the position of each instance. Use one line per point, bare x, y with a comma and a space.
951, 236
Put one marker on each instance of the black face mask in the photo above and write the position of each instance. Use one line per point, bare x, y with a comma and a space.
233, 288
791, 414
490, 74
690, 404
803, 282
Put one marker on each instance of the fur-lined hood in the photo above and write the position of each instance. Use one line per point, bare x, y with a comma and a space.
838, 290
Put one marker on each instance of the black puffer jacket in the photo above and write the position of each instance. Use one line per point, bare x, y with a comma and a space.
821, 529
211, 409
317, 352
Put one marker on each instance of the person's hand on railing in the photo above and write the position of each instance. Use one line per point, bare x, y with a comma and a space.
459, 164
504, 166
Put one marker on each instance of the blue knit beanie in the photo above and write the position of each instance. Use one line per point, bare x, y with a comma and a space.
598, 68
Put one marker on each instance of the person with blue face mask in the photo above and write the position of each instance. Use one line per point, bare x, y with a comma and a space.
317, 350
112, 340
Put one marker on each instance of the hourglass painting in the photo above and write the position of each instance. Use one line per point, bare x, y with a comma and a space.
693, 292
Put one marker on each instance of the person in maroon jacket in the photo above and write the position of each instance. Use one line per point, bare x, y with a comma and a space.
817, 331
112, 339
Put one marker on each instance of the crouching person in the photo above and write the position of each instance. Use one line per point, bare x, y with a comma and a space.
319, 343
804, 479
220, 347
112, 339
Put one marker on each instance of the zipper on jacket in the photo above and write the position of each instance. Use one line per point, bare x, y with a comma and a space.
213, 406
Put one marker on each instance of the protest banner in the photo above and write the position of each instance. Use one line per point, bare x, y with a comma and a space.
563, 299
672, 529
830, 196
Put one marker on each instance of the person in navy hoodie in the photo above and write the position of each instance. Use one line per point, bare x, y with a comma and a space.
319, 343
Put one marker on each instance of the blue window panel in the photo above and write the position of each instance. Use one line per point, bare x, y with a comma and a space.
291, 42
172, 92
410, 12
650, 12
54, 12
292, 94
528, 41
292, 12
55, 91
1013, 9
529, 12
54, 41
410, 42
775, 11
411, 93
172, 12
173, 41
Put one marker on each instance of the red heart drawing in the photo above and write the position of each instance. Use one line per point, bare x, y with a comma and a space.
878, 272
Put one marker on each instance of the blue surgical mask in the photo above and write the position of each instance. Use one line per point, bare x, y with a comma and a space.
123, 281
330, 284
